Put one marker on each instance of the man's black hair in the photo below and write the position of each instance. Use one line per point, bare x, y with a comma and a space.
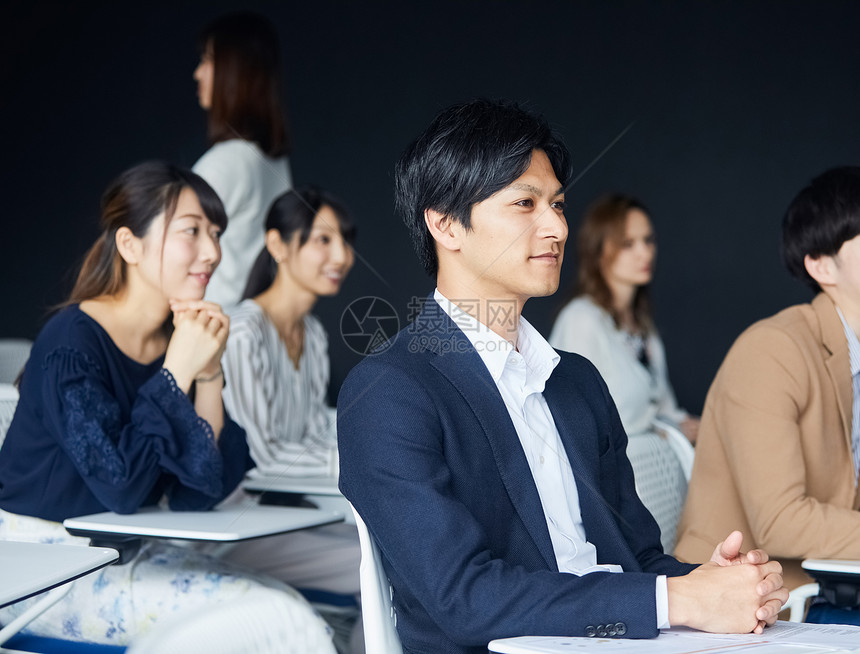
469, 152
820, 219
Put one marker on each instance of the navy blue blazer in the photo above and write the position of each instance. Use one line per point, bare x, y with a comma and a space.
431, 460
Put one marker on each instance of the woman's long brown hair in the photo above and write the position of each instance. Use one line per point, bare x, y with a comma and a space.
134, 200
598, 242
247, 88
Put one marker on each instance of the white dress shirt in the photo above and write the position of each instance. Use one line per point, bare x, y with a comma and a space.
854, 359
520, 374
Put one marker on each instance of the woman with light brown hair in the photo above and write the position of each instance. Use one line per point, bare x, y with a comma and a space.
607, 319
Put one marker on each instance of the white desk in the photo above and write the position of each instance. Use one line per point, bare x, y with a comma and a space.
838, 580
839, 566
27, 569
320, 491
221, 525
287, 484
787, 637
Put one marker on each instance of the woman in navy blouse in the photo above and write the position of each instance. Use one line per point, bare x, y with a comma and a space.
120, 406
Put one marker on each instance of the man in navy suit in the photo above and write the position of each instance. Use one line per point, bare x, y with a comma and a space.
489, 468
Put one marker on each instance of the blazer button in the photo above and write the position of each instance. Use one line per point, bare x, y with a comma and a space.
620, 628
610, 630
601, 630
589, 631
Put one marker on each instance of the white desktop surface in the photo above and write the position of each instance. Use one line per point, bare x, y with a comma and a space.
30, 568
225, 525
832, 565
286, 484
783, 637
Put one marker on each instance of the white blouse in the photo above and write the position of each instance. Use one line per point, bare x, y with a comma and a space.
247, 181
283, 409
640, 394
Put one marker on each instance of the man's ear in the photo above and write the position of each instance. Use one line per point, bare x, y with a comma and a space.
128, 245
443, 228
821, 268
276, 246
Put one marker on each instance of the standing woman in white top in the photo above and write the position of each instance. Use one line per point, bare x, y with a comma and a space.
608, 321
277, 372
239, 84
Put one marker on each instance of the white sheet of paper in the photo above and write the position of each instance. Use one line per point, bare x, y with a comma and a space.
782, 638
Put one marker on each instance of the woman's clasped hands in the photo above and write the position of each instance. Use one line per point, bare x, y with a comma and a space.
198, 341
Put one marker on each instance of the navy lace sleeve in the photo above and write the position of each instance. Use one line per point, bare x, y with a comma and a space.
236, 461
122, 461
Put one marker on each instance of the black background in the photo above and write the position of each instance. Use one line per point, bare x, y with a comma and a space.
731, 107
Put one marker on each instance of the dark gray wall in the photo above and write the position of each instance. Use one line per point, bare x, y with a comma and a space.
732, 107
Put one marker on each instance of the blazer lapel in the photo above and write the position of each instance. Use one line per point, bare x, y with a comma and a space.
579, 430
837, 362
456, 358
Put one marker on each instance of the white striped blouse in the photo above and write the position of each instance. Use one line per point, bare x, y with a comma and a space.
290, 428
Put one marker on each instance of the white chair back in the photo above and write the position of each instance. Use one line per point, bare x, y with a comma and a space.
378, 616
662, 461
14, 353
682, 447
8, 402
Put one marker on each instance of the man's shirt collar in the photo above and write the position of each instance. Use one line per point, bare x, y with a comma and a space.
539, 356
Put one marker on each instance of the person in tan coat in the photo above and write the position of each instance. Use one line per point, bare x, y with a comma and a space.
786, 395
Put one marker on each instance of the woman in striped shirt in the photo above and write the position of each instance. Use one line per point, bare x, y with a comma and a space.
276, 368
276, 362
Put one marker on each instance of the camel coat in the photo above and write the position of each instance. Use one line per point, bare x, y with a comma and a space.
773, 458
